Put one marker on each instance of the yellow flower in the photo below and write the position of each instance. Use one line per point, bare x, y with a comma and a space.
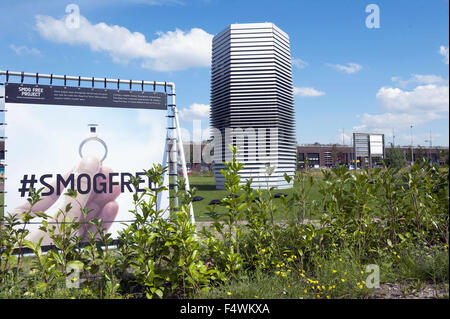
318, 287
323, 287
283, 274
363, 282
72, 297
303, 275
334, 271
256, 297
305, 291
340, 259
395, 253
361, 286
263, 250
229, 293
343, 280
362, 272
277, 272
398, 256
328, 297
318, 296
278, 266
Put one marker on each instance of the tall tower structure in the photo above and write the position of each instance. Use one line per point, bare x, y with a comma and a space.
252, 103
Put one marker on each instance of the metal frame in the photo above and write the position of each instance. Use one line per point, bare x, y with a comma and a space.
175, 135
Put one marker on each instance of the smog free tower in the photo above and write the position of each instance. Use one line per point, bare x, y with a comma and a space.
252, 103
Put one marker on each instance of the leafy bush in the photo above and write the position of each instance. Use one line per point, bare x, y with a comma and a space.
395, 218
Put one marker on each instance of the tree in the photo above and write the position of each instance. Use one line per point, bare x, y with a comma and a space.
420, 154
395, 157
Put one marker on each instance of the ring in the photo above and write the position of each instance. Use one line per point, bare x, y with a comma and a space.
93, 138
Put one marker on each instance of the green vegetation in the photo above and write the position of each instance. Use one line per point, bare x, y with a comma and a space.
255, 245
395, 157
206, 188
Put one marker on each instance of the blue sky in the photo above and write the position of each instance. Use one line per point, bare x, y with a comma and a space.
347, 77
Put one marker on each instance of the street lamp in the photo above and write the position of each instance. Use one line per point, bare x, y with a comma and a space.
412, 150
429, 141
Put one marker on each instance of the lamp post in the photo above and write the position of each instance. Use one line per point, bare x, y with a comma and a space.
412, 150
429, 151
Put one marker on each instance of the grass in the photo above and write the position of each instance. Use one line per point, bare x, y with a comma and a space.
340, 276
206, 188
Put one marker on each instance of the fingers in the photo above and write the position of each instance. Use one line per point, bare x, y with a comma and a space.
90, 166
103, 198
45, 203
93, 211
38, 234
109, 214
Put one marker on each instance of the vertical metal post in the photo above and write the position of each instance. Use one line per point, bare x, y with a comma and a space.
174, 153
166, 176
180, 147
412, 150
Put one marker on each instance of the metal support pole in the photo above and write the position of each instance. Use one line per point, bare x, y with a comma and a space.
182, 157
174, 156
180, 148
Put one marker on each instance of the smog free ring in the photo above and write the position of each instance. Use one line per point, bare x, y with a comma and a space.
93, 137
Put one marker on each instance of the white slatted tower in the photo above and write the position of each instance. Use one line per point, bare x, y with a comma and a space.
252, 94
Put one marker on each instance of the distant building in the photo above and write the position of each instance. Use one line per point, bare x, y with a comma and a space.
252, 102
321, 155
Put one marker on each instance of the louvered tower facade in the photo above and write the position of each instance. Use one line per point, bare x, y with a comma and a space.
252, 103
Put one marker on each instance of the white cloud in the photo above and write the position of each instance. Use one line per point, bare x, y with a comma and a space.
404, 108
426, 98
21, 50
343, 137
350, 68
171, 51
444, 52
307, 92
194, 112
383, 123
419, 79
299, 63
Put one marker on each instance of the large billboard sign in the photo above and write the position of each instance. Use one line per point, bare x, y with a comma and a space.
376, 145
90, 140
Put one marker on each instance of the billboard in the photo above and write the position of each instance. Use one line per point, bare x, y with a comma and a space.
376, 145
90, 140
